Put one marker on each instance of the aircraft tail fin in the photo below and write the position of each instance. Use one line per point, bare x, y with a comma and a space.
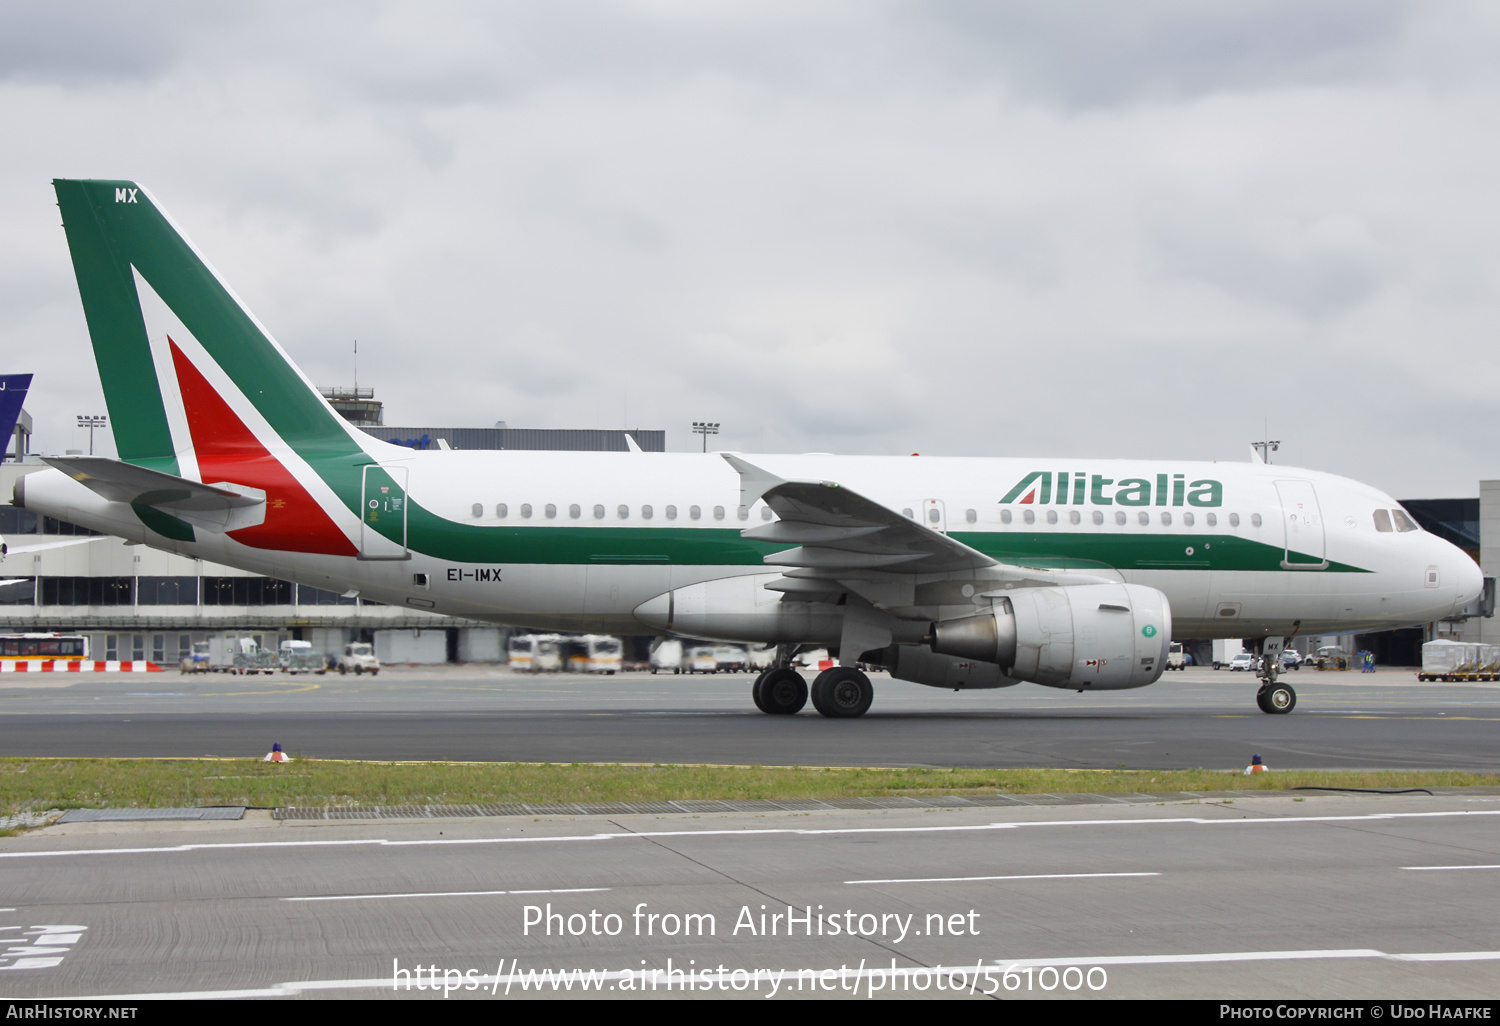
12, 394
195, 385
156, 307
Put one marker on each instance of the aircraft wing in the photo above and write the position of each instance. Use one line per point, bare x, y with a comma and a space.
11, 549
126, 482
836, 530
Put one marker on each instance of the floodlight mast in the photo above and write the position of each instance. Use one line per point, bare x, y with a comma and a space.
91, 422
705, 428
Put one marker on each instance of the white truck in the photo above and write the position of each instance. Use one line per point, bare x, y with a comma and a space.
666, 656
359, 656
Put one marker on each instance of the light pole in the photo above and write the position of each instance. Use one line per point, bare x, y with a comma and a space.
91, 422
705, 429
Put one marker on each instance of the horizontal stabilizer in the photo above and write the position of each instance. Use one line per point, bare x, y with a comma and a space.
138, 486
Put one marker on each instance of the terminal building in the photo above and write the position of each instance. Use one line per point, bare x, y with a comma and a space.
135, 602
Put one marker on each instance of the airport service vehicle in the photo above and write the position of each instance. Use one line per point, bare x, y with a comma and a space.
732, 658
359, 657
298, 657
701, 659
1176, 656
666, 655
535, 653
1243, 661
43, 646
1459, 660
250, 657
594, 653
1291, 659
953, 573
198, 660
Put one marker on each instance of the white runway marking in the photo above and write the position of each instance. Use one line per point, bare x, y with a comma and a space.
1250, 956
1420, 869
969, 879
760, 832
444, 894
293, 989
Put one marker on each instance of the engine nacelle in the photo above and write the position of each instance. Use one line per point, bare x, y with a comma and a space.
1097, 636
921, 665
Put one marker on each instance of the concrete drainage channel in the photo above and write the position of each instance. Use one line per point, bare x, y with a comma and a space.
696, 807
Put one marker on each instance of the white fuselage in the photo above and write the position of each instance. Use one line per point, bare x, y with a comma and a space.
1237, 576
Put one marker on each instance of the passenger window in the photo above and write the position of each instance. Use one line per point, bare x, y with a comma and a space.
477, 510
1143, 518
1166, 519
933, 516
1234, 520
765, 512
1382, 521
1403, 522
971, 516
1254, 519
550, 510
1052, 516
1005, 516
575, 511
1212, 518
907, 513
718, 512
598, 512
646, 512
695, 512
1098, 517
502, 510
525, 511
1029, 516
1120, 517
743, 512
1073, 516
623, 512
1187, 519
671, 512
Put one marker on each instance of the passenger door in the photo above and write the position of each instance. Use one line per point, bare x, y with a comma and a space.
1302, 520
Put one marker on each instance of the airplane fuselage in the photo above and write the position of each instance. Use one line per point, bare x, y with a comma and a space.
581, 541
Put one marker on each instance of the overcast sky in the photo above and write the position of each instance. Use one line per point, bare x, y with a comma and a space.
988, 228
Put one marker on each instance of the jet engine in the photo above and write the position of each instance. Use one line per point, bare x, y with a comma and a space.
1096, 636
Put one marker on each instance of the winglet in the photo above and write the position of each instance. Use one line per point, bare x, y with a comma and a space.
631, 444
754, 482
1255, 456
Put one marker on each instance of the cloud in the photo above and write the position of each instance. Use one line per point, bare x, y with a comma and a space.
1092, 230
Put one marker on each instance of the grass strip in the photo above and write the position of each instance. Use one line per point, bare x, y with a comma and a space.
28, 784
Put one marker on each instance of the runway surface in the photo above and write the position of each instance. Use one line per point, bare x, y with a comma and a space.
1267, 897
1190, 719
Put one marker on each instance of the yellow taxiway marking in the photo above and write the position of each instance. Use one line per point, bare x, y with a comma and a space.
286, 688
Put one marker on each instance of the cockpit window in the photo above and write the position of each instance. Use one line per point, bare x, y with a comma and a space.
1382, 521
1403, 522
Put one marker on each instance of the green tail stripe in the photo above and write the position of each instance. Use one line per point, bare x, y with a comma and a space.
113, 311
107, 235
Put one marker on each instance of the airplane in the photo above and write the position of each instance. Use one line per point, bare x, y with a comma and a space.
956, 573
13, 388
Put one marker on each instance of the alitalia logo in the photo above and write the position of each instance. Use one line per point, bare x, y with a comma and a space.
1080, 488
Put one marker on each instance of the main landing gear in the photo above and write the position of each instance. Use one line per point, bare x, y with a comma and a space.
1273, 696
838, 693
